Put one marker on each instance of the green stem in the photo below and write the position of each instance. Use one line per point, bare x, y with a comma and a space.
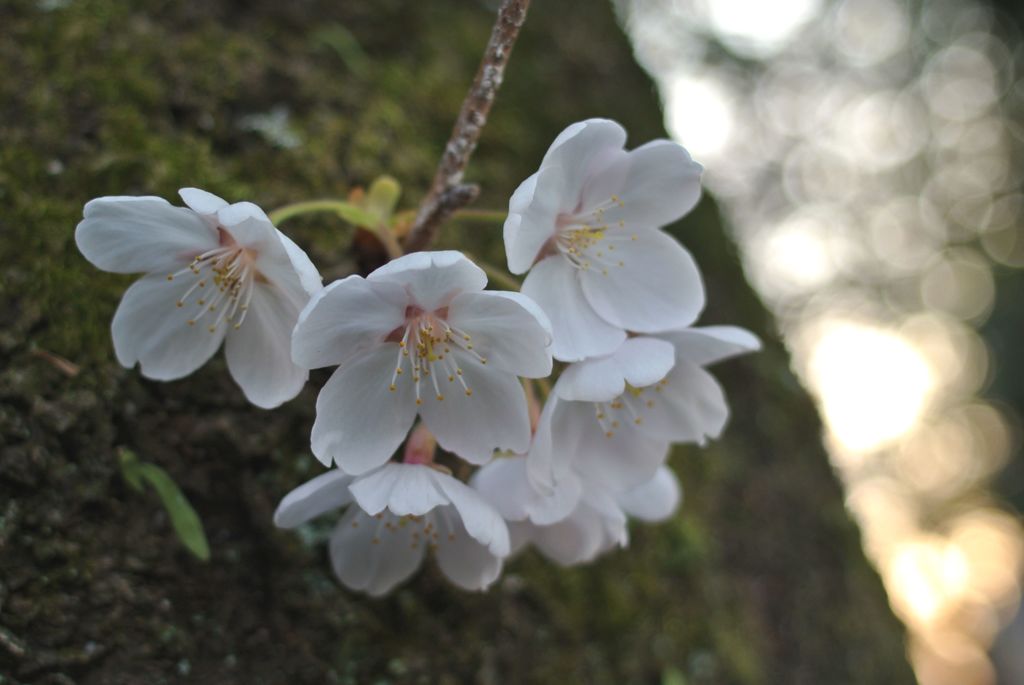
347, 212
495, 215
288, 211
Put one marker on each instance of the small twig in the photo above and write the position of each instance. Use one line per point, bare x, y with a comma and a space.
65, 366
447, 192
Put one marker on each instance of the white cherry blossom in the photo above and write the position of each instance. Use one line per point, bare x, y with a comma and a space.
575, 523
421, 336
615, 415
394, 515
214, 272
586, 227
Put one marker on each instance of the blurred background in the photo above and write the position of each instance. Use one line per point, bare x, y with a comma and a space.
869, 156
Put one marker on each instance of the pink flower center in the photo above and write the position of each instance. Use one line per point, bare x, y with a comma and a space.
225, 278
431, 348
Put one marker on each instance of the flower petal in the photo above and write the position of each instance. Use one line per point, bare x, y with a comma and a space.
279, 260
582, 150
359, 422
141, 234
245, 221
303, 267
654, 501
690, 406
625, 459
150, 329
505, 485
639, 361
591, 380
403, 489
367, 566
660, 184
508, 329
589, 531
577, 329
710, 344
644, 361
344, 320
544, 464
482, 522
259, 352
533, 216
326, 492
432, 279
472, 426
201, 201
657, 288
464, 561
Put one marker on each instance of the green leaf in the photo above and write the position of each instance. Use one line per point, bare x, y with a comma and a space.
346, 46
382, 198
184, 519
130, 469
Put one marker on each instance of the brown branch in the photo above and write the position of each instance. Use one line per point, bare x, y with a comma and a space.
447, 192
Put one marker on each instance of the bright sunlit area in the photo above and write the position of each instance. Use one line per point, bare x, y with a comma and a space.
869, 156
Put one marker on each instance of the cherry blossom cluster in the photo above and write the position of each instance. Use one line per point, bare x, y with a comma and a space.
437, 428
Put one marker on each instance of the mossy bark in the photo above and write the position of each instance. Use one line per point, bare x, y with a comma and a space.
760, 579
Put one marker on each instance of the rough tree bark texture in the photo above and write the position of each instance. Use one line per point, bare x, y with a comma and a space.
760, 579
